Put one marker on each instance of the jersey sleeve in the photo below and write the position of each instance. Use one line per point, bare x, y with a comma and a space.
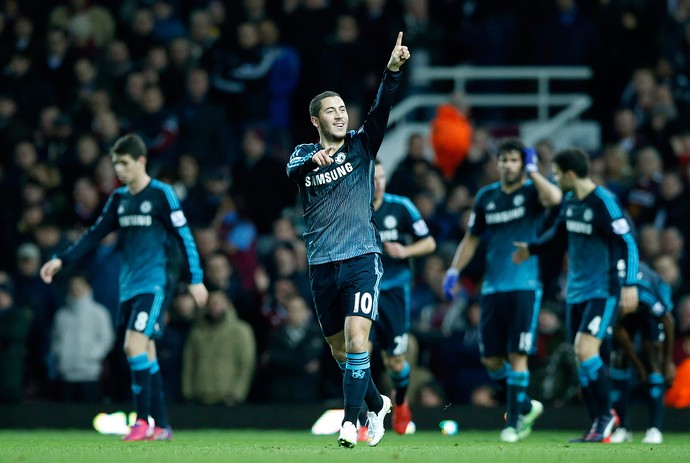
477, 222
376, 121
300, 163
416, 225
176, 222
616, 225
106, 223
553, 239
664, 291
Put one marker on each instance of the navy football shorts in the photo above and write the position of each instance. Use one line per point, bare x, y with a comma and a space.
594, 317
393, 324
508, 322
144, 313
345, 288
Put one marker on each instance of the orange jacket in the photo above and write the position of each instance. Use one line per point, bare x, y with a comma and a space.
451, 138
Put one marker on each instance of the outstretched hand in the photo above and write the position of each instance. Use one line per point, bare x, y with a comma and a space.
399, 55
49, 269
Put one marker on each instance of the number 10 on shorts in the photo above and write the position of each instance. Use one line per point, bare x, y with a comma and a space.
363, 302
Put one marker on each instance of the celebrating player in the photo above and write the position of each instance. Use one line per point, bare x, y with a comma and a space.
147, 215
511, 295
600, 244
336, 184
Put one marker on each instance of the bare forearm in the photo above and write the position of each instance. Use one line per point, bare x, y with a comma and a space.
421, 248
465, 252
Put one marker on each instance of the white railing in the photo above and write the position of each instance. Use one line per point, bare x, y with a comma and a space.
543, 100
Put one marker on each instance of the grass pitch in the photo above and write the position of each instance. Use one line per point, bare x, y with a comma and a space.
210, 446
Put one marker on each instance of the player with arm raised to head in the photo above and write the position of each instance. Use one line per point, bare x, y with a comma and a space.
147, 215
654, 363
511, 295
336, 183
600, 245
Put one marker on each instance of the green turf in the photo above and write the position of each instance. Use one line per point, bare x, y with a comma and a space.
285, 447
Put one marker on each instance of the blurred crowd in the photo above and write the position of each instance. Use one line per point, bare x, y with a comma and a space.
219, 91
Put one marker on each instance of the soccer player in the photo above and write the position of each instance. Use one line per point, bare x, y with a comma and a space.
404, 235
600, 245
147, 215
336, 184
654, 323
512, 208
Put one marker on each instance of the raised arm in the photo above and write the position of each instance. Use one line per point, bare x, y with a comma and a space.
549, 194
376, 121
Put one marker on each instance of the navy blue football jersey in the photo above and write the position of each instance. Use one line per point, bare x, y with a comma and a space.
338, 199
600, 245
147, 224
398, 220
502, 218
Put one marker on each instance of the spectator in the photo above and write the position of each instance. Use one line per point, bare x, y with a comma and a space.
171, 347
41, 301
90, 24
291, 361
220, 356
409, 176
283, 80
14, 330
643, 196
256, 175
451, 134
202, 125
81, 338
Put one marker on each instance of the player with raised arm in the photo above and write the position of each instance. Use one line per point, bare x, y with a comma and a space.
147, 215
405, 235
336, 183
654, 323
600, 245
510, 295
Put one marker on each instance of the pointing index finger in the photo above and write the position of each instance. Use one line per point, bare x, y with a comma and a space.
398, 42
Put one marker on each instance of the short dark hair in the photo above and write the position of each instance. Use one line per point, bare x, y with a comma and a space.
130, 144
512, 144
315, 104
573, 159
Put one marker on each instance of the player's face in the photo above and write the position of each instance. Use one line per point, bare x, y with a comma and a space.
561, 178
127, 168
510, 168
333, 119
379, 181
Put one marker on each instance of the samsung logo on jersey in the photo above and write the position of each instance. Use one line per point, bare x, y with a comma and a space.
578, 227
389, 235
328, 177
505, 216
135, 221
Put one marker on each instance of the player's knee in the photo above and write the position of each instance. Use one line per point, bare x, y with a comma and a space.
357, 343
